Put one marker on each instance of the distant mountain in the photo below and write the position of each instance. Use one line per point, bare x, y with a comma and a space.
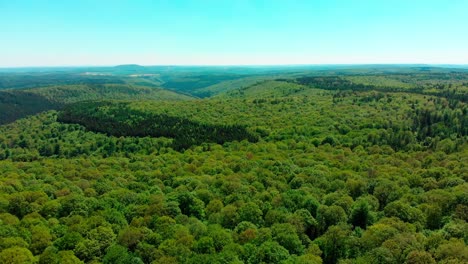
129, 66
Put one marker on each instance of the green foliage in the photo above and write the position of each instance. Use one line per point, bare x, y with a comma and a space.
330, 215
119, 255
78, 93
361, 216
286, 236
333, 243
118, 119
265, 89
19, 104
16, 255
271, 252
373, 175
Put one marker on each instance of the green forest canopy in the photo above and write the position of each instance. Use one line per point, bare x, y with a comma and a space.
315, 170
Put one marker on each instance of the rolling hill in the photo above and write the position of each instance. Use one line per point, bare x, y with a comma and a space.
367, 166
15, 104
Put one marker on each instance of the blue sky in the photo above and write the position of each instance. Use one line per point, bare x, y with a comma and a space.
241, 32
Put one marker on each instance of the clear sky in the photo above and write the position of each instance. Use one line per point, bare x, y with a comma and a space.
219, 32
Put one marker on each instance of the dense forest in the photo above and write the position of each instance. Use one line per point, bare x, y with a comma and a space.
118, 119
16, 104
295, 166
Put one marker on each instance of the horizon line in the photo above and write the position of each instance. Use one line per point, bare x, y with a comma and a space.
232, 65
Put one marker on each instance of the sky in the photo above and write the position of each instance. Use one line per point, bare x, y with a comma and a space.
236, 32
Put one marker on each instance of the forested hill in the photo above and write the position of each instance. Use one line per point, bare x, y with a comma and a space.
399, 120
25, 80
452, 86
366, 166
15, 104
77, 93
18, 104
